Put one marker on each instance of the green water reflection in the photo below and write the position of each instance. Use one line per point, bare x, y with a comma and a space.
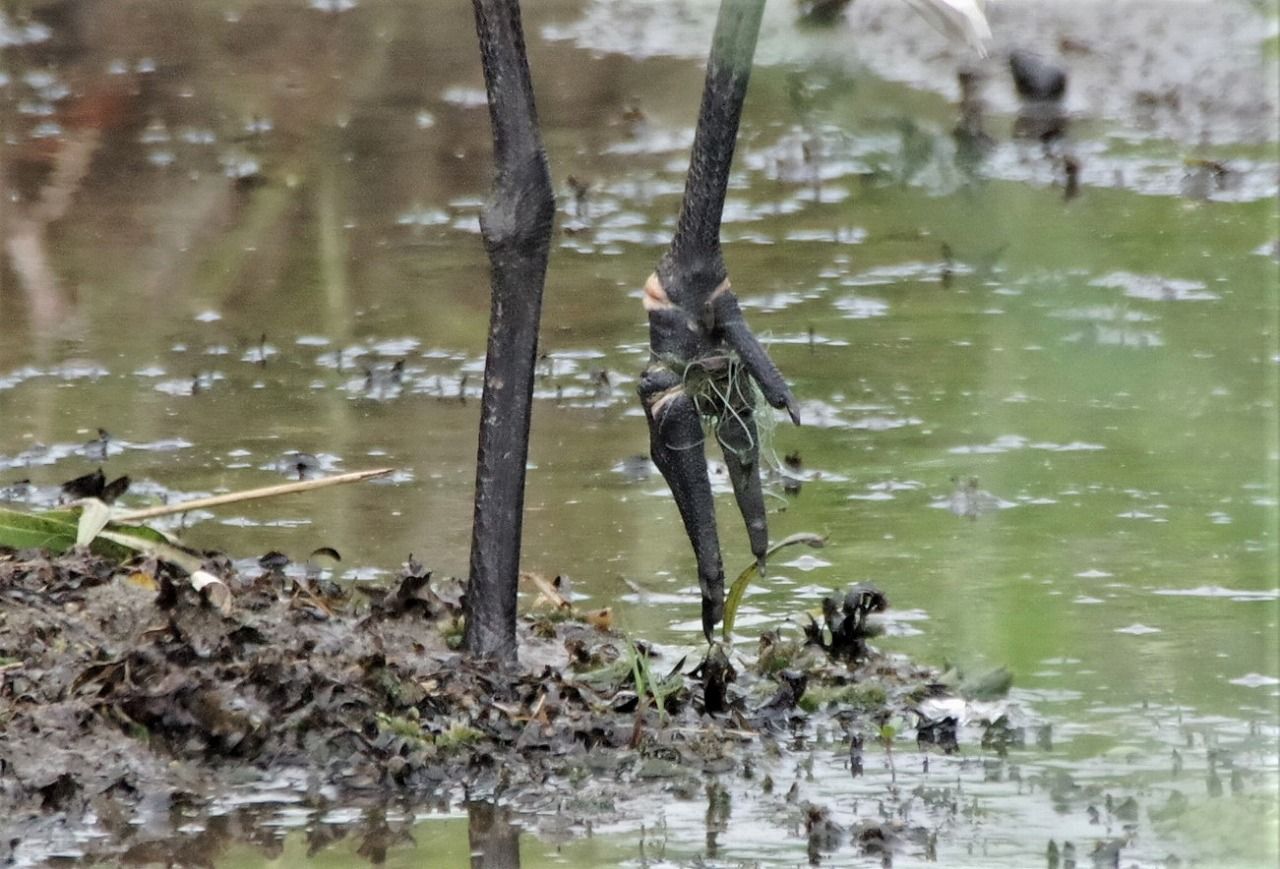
1105, 366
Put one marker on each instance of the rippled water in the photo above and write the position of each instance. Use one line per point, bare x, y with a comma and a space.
226, 224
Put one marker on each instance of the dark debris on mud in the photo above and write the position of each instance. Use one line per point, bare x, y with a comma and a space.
124, 691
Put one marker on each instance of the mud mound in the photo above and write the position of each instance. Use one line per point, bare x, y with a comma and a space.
126, 691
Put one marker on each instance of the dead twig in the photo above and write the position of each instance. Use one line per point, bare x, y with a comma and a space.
248, 495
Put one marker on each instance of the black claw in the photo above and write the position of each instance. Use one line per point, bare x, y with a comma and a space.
738, 335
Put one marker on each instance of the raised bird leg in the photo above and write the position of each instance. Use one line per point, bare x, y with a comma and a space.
703, 356
516, 224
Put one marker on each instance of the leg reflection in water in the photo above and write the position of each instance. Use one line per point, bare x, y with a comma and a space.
495, 841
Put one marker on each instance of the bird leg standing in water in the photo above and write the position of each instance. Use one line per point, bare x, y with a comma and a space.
705, 362
516, 226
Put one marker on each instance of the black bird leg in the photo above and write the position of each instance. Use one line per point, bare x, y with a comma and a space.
704, 358
516, 225
675, 443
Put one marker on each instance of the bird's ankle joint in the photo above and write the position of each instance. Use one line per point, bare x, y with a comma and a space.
655, 295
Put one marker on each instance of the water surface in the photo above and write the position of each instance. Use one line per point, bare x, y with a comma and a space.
225, 223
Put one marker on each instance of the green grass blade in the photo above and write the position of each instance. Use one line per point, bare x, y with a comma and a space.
740, 585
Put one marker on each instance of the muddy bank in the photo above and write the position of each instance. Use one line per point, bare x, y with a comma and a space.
1193, 71
131, 705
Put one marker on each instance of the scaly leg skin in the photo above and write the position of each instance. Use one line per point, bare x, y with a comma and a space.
733, 329
693, 374
676, 445
516, 225
740, 443
703, 353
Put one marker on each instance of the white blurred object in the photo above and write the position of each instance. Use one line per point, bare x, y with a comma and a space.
964, 19
94, 516
963, 712
213, 589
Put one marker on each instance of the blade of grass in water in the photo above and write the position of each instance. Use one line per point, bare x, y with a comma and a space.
739, 587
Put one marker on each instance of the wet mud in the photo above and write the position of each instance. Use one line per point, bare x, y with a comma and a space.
131, 703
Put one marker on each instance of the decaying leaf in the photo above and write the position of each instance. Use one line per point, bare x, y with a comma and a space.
601, 619
142, 580
413, 594
547, 590
552, 592
846, 622
86, 486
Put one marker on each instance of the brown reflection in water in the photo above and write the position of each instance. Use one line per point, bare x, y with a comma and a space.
254, 158
378, 836
189, 835
158, 842
495, 841
719, 809
162, 158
